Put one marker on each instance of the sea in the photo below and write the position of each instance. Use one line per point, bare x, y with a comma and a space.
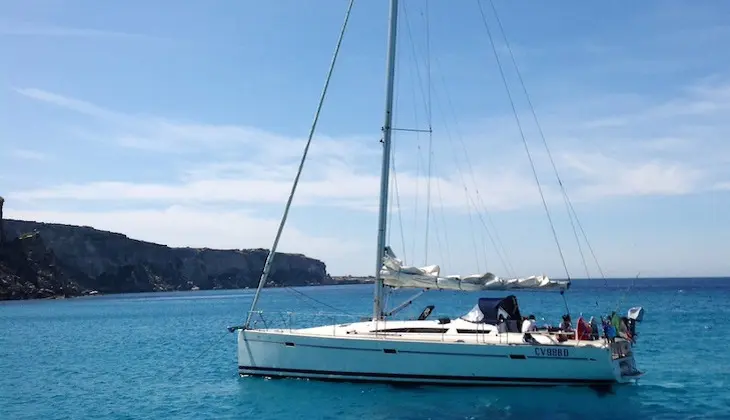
169, 355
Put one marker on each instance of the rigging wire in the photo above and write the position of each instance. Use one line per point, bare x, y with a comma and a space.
443, 221
628, 289
476, 248
486, 260
430, 139
415, 58
391, 190
467, 196
397, 200
318, 301
430, 129
438, 239
590, 248
496, 240
499, 247
415, 215
272, 252
419, 80
394, 190
470, 203
429, 120
566, 199
524, 140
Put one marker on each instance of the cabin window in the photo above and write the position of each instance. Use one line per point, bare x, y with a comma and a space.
463, 331
414, 330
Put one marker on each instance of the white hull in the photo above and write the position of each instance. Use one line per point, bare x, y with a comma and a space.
479, 359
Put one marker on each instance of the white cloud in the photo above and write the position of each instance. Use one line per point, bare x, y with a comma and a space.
70, 103
27, 154
344, 172
337, 186
613, 177
155, 134
48, 30
722, 186
609, 144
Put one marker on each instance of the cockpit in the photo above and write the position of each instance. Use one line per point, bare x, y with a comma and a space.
490, 310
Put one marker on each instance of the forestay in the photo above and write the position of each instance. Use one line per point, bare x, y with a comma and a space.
395, 274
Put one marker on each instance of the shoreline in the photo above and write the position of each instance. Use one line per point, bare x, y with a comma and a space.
337, 281
351, 281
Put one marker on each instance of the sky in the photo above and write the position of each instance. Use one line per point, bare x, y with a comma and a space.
183, 123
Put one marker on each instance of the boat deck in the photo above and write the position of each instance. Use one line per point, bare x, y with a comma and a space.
457, 332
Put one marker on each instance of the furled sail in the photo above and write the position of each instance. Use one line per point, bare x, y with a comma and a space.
395, 274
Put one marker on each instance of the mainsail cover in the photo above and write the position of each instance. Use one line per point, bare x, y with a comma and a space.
395, 274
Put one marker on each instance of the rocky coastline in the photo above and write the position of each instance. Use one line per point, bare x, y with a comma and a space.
50, 260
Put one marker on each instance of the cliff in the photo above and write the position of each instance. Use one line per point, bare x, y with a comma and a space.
84, 259
28, 270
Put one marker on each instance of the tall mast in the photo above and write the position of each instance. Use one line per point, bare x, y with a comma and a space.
384, 175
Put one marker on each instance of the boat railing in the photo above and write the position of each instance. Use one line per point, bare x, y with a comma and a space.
288, 320
335, 324
564, 338
620, 349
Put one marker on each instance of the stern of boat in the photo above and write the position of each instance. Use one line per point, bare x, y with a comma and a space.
624, 362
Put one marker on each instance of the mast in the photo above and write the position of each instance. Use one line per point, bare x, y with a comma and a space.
385, 173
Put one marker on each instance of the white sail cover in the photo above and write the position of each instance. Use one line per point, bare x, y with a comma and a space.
395, 274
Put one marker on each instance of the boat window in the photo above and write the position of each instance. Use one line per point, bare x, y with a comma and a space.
482, 331
414, 330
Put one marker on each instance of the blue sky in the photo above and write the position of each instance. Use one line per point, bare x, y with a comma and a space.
182, 123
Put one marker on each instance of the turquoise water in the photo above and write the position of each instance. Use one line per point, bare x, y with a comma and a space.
168, 355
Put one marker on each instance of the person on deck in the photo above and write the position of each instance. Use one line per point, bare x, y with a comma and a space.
615, 321
594, 329
611, 331
605, 322
583, 329
566, 328
624, 328
566, 325
529, 324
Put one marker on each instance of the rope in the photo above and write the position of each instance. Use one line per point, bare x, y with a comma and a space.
270, 258
524, 140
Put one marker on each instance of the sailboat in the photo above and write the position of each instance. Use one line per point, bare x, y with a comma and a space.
486, 346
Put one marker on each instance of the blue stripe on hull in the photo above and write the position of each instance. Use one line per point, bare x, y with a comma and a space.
413, 378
